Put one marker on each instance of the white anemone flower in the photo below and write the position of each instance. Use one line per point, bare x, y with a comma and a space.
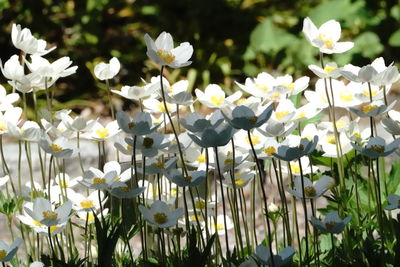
89, 203
326, 37
4, 180
29, 131
218, 225
259, 86
160, 214
284, 112
104, 71
100, 133
7, 252
25, 41
45, 213
10, 116
162, 51
311, 190
330, 70
51, 71
137, 92
214, 97
12, 69
7, 100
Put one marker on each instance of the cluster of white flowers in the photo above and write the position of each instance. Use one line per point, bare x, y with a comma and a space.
172, 151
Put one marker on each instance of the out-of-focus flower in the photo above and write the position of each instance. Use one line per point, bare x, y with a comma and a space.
51, 71
372, 109
326, 37
141, 124
330, 70
311, 190
43, 212
244, 118
12, 69
104, 71
59, 148
331, 224
100, 133
162, 51
193, 178
394, 202
214, 136
264, 255
25, 41
7, 252
288, 153
376, 147
214, 97
160, 215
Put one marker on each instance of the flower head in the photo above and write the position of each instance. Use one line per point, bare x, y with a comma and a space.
162, 51
44, 212
25, 41
376, 147
285, 255
160, 215
311, 190
331, 224
326, 37
7, 252
104, 71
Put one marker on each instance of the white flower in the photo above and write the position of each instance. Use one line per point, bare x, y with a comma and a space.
104, 71
160, 215
162, 51
214, 96
100, 133
326, 37
330, 70
4, 180
29, 131
6, 101
25, 41
43, 212
51, 71
259, 86
12, 68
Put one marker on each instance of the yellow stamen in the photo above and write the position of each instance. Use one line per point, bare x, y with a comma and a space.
201, 158
270, 150
98, 180
368, 108
345, 96
3, 254
295, 167
262, 87
48, 214
329, 69
200, 204
281, 114
239, 181
87, 204
217, 100
331, 139
160, 217
328, 42
102, 132
165, 55
309, 191
254, 138
289, 86
55, 147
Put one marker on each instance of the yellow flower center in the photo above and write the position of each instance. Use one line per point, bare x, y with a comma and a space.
275, 96
295, 167
160, 217
90, 217
345, 96
253, 119
3, 254
328, 42
131, 125
309, 191
165, 55
200, 204
148, 142
228, 161
63, 183
53, 228
281, 114
368, 108
87, 204
158, 164
262, 87
378, 148
48, 214
3, 125
201, 158
330, 225
239, 181
270, 150
329, 69
219, 226
331, 139
301, 115
124, 188
55, 147
187, 178
240, 101
289, 86
36, 223
373, 92
98, 180
102, 132
161, 107
129, 147
217, 100
340, 124
254, 138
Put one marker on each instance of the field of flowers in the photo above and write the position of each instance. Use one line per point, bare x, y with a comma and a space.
201, 178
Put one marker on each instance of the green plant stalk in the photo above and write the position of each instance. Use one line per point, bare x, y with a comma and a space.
305, 213
264, 195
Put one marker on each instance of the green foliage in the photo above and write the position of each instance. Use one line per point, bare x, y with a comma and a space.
8, 205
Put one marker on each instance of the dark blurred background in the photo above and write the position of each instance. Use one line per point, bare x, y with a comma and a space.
232, 39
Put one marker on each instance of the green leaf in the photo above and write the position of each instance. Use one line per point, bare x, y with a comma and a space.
368, 44
337, 10
268, 38
394, 39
